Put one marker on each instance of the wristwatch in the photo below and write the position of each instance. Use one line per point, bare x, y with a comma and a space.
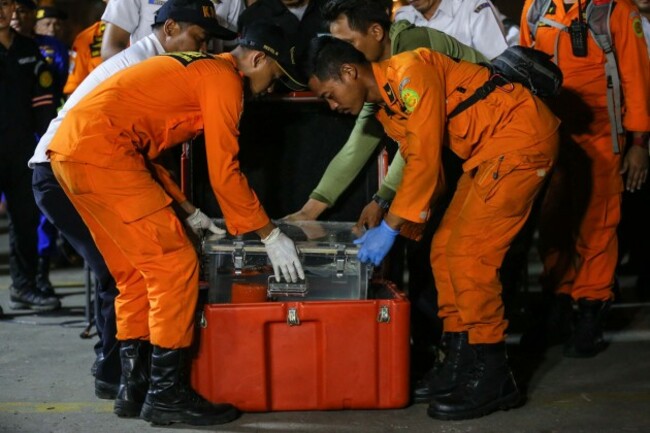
384, 204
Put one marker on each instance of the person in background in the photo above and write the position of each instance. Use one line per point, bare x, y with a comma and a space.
85, 55
127, 21
300, 19
107, 167
168, 35
582, 208
475, 23
26, 108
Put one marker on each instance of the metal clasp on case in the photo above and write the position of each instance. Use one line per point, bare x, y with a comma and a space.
292, 317
238, 257
339, 260
285, 288
203, 322
384, 314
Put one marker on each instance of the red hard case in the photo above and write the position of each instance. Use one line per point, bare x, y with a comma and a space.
319, 355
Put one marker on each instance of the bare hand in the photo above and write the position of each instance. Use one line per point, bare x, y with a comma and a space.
635, 164
371, 215
309, 212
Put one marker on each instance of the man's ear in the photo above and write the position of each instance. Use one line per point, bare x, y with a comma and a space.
377, 32
171, 28
348, 71
258, 58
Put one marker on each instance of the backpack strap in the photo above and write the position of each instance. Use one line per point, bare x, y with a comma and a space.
482, 92
598, 16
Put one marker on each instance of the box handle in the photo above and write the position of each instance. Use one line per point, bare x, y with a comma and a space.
285, 288
292, 317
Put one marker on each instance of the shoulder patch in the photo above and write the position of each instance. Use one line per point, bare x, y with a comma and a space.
410, 98
187, 57
637, 27
45, 79
480, 7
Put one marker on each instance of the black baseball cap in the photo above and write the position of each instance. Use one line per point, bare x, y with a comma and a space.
29, 4
49, 12
199, 12
271, 39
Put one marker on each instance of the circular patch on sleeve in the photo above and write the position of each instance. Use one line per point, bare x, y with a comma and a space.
637, 27
410, 98
45, 79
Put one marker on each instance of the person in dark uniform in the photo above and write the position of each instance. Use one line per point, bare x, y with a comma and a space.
26, 107
300, 19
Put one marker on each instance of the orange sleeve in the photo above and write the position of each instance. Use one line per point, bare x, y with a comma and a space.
79, 62
633, 65
221, 100
168, 183
421, 90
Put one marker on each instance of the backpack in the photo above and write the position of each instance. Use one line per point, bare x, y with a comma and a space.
597, 16
527, 66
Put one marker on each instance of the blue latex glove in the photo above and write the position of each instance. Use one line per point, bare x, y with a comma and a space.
376, 243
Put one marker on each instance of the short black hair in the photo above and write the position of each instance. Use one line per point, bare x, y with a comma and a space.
361, 14
326, 56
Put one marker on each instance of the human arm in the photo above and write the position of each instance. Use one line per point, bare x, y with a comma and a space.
43, 103
121, 18
488, 35
635, 162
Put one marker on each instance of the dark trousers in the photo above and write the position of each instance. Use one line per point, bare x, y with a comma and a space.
56, 206
15, 183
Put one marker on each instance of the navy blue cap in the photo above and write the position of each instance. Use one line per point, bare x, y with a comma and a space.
199, 12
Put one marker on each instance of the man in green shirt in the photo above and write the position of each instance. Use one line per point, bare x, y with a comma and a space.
366, 25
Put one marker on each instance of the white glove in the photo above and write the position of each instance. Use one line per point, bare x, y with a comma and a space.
199, 221
284, 257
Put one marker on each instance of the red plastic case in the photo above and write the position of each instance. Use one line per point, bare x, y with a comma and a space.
311, 355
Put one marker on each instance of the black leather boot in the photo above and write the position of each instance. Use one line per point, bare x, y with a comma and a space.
135, 356
43, 282
31, 297
170, 398
486, 385
587, 339
443, 377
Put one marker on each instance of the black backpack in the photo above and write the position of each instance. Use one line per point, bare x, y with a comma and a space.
527, 66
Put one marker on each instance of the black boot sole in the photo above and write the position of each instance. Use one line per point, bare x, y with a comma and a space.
507, 402
127, 409
19, 305
163, 417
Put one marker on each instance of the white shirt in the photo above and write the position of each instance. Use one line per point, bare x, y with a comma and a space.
148, 47
472, 22
136, 16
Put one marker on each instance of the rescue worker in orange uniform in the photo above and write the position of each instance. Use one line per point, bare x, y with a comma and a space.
102, 154
85, 55
581, 211
508, 142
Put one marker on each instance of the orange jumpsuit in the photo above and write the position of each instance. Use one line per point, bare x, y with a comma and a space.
101, 155
509, 144
581, 211
85, 55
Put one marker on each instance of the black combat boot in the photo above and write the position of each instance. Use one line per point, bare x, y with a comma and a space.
587, 339
135, 357
486, 385
170, 398
30, 297
43, 282
444, 376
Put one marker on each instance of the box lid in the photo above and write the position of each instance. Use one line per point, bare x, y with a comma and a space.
310, 237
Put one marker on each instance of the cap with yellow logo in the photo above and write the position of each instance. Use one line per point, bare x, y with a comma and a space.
199, 12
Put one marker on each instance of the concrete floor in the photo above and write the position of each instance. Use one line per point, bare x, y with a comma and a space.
46, 386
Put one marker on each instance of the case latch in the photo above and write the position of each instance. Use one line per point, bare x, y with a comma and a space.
238, 257
339, 260
292, 317
384, 314
203, 322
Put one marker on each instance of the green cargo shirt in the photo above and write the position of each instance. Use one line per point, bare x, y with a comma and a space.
368, 132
